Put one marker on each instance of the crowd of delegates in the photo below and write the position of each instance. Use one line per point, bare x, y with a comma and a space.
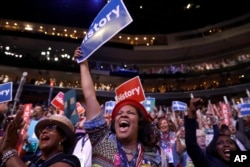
129, 137
196, 137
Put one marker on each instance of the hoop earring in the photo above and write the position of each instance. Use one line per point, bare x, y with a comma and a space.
60, 146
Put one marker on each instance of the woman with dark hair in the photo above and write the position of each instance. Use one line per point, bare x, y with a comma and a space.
130, 142
145, 127
217, 152
216, 147
56, 139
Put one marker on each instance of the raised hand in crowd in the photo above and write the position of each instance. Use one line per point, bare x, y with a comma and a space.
11, 136
10, 139
128, 140
91, 103
194, 105
217, 153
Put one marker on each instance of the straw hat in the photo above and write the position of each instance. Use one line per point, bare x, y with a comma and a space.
131, 102
62, 122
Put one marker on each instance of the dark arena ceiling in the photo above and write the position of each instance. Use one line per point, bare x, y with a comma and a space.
157, 17
149, 16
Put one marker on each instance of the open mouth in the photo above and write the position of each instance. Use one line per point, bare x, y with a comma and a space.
227, 153
44, 138
124, 124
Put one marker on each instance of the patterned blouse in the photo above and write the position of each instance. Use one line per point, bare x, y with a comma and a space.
106, 151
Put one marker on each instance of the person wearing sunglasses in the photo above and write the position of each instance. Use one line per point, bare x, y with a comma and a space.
56, 140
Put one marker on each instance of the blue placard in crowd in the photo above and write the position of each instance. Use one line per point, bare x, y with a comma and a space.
110, 20
244, 109
6, 92
109, 106
179, 106
70, 110
149, 104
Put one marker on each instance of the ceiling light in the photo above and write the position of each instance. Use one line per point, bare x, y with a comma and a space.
28, 27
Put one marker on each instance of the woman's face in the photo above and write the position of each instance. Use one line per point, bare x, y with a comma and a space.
152, 115
224, 145
181, 122
163, 126
126, 124
49, 137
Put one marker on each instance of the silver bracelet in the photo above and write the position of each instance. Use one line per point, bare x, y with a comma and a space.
8, 155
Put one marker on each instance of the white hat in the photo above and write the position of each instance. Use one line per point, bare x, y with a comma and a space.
62, 122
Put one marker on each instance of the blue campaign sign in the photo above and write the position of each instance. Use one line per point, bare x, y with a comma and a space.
6, 92
70, 109
109, 106
149, 104
244, 109
179, 106
113, 17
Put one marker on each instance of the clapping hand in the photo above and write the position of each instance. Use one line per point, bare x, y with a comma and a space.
11, 136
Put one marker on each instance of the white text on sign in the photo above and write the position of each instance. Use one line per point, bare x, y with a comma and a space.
102, 23
5, 92
129, 93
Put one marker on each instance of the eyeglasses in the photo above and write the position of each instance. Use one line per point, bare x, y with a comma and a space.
48, 128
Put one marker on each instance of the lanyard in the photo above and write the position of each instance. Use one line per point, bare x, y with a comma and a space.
137, 159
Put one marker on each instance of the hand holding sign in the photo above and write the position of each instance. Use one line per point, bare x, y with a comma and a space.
110, 20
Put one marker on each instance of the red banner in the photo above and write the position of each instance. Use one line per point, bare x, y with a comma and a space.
26, 117
58, 101
79, 108
131, 89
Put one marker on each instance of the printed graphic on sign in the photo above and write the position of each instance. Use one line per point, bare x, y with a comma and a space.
70, 110
58, 101
109, 106
6, 92
110, 20
244, 109
131, 89
149, 104
79, 108
179, 106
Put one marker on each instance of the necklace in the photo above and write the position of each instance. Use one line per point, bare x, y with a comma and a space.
128, 151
